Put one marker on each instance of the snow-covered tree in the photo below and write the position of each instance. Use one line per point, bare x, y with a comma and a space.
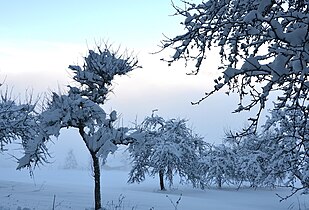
264, 49
271, 158
291, 135
263, 45
218, 165
70, 161
81, 108
17, 121
259, 159
252, 161
167, 147
279, 154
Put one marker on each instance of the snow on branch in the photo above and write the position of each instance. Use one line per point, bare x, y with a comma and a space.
15, 121
99, 69
264, 47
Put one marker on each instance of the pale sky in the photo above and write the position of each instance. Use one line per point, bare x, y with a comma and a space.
40, 39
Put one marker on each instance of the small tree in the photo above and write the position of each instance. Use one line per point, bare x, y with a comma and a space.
252, 163
217, 165
81, 109
70, 160
168, 147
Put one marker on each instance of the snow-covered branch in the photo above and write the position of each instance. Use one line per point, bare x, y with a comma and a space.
99, 69
264, 47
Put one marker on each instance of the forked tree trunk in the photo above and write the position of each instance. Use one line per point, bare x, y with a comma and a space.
97, 184
161, 176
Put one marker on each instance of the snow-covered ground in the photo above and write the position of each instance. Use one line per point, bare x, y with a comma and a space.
73, 189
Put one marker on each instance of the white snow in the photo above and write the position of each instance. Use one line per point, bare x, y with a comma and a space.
73, 189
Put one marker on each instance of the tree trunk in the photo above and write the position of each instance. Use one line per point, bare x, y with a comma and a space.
161, 176
97, 184
96, 170
219, 181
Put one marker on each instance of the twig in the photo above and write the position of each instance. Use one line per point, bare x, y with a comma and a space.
177, 202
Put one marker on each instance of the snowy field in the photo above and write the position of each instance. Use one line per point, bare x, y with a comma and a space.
73, 189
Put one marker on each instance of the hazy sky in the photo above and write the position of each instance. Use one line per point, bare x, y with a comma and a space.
39, 39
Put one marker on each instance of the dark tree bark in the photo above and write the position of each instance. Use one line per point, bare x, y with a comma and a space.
219, 181
96, 171
161, 176
97, 184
